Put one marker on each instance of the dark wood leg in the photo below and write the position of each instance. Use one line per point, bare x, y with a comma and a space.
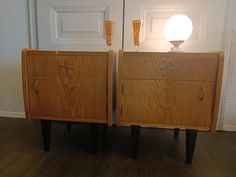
105, 128
94, 137
135, 134
191, 137
68, 126
176, 133
46, 134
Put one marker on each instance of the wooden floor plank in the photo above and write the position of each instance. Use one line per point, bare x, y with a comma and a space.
22, 155
222, 152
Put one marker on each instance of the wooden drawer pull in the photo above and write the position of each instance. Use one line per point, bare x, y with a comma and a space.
35, 84
122, 90
169, 69
202, 93
65, 66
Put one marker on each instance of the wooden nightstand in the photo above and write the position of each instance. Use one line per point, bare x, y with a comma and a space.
68, 86
173, 90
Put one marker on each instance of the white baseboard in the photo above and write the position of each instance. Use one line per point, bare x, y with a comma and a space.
12, 114
229, 127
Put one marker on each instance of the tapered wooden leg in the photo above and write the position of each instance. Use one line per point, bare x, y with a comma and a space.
68, 126
135, 135
105, 127
191, 137
176, 133
46, 134
94, 137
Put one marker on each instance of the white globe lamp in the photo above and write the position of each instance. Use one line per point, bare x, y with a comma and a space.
178, 29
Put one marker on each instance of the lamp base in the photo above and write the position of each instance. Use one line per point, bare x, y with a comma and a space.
176, 45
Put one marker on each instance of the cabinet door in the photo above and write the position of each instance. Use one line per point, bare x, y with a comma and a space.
78, 24
47, 98
89, 93
169, 103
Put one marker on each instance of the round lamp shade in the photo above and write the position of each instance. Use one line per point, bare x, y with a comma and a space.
178, 28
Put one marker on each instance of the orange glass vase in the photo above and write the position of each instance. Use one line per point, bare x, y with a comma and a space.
137, 26
109, 29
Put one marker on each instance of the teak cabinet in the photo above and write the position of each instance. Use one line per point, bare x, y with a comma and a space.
180, 90
68, 86
173, 90
177, 90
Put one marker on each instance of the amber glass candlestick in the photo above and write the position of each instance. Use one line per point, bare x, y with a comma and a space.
109, 29
137, 26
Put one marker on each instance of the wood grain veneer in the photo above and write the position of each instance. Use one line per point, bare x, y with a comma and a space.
180, 90
70, 86
171, 67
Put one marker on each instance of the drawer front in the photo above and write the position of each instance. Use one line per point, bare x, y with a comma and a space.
167, 102
45, 65
84, 67
199, 68
90, 67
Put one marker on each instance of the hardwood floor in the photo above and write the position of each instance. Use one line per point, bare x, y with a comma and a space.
160, 154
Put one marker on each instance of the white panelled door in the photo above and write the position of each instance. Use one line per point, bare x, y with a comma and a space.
77, 24
208, 18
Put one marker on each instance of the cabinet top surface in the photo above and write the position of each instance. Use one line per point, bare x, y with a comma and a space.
47, 52
174, 54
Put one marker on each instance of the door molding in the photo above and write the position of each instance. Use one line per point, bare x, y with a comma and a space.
227, 48
32, 21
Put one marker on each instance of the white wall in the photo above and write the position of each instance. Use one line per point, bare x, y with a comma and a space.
208, 17
13, 37
228, 101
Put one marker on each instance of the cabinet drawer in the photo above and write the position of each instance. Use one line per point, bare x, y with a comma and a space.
90, 68
84, 67
170, 67
43, 65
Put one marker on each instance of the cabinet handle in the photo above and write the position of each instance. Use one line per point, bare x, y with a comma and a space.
169, 69
65, 66
202, 93
35, 84
122, 90
121, 110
